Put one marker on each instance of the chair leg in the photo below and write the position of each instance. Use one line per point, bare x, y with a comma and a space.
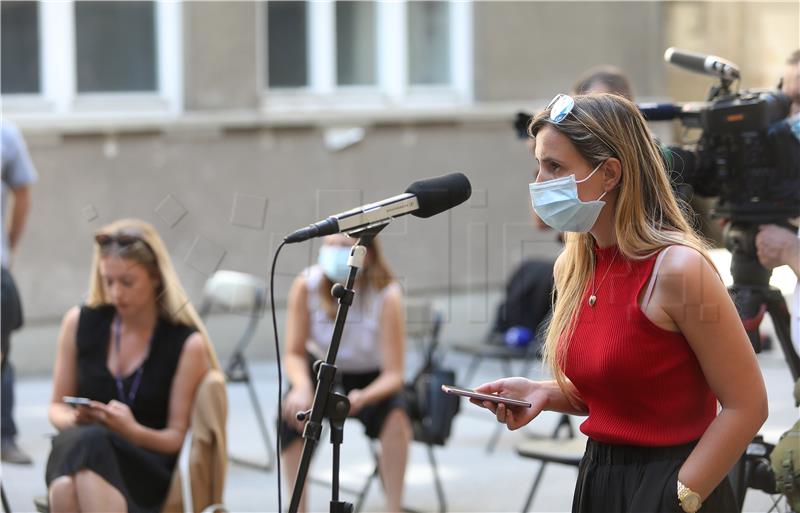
262, 425
6, 507
534, 487
376, 472
436, 480
472, 369
491, 445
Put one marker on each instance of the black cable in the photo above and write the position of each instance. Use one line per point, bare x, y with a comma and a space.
278, 363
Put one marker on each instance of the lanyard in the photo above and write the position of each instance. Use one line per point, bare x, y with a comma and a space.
137, 378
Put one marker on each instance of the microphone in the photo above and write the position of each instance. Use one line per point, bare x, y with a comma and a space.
423, 198
699, 63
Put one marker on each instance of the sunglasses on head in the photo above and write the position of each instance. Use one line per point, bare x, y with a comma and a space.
122, 240
560, 107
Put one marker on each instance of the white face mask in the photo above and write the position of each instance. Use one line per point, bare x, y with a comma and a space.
333, 261
556, 202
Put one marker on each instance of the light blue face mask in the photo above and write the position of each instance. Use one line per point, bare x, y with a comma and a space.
333, 261
556, 202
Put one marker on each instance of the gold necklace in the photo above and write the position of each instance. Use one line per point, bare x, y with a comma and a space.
593, 296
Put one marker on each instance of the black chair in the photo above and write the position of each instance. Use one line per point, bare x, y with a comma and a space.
526, 304
563, 450
233, 291
430, 411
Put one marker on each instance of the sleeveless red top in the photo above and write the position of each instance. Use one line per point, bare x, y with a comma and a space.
641, 383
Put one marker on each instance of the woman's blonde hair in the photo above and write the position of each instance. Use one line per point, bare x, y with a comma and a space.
152, 254
375, 275
647, 217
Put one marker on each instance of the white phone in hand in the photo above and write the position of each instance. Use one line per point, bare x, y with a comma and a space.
449, 389
76, 401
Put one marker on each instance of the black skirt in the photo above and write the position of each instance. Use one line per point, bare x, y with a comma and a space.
622, 478
143, 477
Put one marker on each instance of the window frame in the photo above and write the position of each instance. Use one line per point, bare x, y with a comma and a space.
58, 92
392, 88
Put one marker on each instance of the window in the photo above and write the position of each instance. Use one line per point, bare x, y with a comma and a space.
115, 46
77, 55
367, 52
287, 54
355, 43
20, 47
428, 42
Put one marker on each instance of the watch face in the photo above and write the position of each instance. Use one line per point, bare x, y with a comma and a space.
691, 503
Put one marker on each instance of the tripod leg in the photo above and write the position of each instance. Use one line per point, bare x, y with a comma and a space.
781, 319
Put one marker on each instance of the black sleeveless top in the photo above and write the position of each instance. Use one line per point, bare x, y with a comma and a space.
142, 476
96, 381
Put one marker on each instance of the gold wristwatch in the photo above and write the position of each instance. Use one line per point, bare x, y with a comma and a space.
689, 500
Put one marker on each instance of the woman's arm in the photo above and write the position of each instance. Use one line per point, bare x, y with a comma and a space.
392, 343
65, 373
192, 366
694, 297
295, 360
298, 320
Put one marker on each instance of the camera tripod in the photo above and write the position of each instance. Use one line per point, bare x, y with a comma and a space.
753, 297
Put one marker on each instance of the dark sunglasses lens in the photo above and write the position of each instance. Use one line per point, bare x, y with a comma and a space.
126, 240
103, 239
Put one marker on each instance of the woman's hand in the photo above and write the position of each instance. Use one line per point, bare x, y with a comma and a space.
357, 401
85, 415
116, 416
297, 400
517, 388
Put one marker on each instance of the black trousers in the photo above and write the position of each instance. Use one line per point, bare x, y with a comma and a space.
622, 478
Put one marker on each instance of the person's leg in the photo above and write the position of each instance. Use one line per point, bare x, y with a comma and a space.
96, 494
62, 495
8, 428
290, 457
395, 438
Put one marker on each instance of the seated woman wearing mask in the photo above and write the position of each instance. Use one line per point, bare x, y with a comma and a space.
370, 361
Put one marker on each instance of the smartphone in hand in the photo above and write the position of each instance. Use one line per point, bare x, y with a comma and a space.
449, 389
76, 401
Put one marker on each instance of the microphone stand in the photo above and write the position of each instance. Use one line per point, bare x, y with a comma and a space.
326, 403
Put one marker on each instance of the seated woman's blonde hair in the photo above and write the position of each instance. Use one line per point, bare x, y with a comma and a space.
147, 249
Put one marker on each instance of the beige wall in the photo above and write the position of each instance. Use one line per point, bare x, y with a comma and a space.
225, 200
526, 50
758, 36
223, 193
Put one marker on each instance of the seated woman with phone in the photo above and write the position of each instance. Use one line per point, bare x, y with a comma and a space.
128, 364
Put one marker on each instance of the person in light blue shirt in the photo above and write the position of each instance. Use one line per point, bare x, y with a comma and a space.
18, 175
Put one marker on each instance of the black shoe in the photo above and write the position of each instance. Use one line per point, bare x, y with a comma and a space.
11, 453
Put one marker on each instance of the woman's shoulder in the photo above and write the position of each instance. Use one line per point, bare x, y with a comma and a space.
683, 269
87, 316
684, 259
177, 330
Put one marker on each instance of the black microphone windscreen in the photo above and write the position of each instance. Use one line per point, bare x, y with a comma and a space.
436, 195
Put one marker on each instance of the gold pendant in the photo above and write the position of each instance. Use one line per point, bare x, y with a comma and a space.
592, 300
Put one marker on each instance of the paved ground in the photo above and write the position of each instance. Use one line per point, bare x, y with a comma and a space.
474, 480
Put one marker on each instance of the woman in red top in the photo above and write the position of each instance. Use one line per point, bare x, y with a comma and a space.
644, 338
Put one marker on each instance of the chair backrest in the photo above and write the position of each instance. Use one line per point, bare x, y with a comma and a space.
233, 291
